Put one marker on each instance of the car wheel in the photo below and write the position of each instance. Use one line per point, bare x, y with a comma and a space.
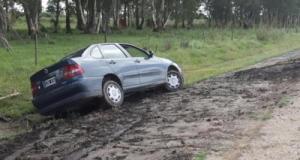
113, 93
174, 81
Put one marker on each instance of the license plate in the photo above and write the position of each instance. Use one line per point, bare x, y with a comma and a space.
50, 82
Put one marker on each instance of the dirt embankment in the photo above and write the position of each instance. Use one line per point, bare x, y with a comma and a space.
211, 117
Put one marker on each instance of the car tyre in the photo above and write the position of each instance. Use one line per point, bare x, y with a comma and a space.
113, 93
174, 81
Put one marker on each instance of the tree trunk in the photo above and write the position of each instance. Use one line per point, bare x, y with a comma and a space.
162, 13
3, 20
57, 14
154, 16
125, 12
143, 15
28, 22
176, 13
158, 10
3, 28
190, 22
7, 15
81, 21
106, 15
99, 21
99, 16
68, 18
116, 11
128, 15
31, 10
139, 14
91, 26
183, 22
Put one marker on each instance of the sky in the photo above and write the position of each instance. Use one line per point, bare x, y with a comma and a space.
44, 3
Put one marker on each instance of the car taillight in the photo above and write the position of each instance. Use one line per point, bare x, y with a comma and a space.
34, 88
71, 71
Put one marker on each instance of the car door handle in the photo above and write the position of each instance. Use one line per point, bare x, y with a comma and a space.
137, 61
112, 62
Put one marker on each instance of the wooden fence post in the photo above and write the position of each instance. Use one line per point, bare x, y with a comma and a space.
35, 48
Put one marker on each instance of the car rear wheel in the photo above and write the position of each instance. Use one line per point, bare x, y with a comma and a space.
174, 81
113, 93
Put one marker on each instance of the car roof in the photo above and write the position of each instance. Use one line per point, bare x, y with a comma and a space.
87, 49
114, 44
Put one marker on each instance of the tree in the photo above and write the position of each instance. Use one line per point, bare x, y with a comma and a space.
177, 12
281, 13
3, 20
116, 6
159, 15
98, 15
68, 17
220, 11
81, 20
3, 27
32, 8
7, 5
139, 13
189, 9
247, 13
107, 4
55, 8
91, 17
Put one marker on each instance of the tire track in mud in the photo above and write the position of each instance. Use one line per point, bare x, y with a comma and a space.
275, 138
208, 117
279, 137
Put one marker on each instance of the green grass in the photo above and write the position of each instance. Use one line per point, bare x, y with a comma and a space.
284, 101
200, 156
202, 53
264, 116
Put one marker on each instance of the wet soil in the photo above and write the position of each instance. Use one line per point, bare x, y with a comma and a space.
212, 116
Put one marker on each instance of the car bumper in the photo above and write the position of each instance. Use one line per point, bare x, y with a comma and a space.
67, 96
65, 104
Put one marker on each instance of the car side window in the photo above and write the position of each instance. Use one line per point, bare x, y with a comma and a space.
95, 52
134, 52
111, 52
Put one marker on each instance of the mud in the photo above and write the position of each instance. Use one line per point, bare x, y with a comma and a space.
208, 117
279, 137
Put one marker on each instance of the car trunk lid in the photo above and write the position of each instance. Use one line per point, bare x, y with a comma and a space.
54, 76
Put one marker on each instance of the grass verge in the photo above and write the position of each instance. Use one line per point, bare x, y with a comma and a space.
200, 156
202, 53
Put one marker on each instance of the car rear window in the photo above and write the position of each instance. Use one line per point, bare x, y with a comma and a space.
75, 54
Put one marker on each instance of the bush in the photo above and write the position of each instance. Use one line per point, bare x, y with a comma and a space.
167, 45
262, 35
265, 34
184, 44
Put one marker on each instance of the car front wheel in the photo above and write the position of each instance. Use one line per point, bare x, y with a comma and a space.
113, 93
174, 81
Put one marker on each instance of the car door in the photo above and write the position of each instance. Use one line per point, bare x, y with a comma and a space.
98, 65
150, 69
121, 64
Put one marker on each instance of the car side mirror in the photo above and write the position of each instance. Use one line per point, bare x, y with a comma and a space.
151, 54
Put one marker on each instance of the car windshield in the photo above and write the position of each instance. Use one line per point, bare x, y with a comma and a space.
75, 54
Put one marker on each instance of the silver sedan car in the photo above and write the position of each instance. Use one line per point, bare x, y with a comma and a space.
101, 70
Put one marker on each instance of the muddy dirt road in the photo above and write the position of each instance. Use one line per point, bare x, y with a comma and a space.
221, 117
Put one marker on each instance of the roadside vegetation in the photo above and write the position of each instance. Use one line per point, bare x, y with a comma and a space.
202, 53
205, 38
200, 156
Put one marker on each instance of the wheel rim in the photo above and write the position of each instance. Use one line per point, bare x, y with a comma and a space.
173, 80
114, 93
